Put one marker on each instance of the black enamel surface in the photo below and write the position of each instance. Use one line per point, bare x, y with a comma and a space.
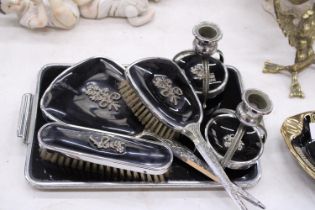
222, 127
310, 150
192, 60
119, 150
305, 141
68, 102
233, 91
231, 97
141, 75
305, 136
42, 171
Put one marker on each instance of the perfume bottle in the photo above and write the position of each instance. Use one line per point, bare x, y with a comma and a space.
204, 66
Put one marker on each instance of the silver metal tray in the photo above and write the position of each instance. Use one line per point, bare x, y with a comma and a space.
40, 176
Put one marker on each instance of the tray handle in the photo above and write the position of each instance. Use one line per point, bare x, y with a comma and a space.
24, 116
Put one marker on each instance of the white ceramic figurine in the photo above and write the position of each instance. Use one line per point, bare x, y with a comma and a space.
137, 12
66, 13
33, 14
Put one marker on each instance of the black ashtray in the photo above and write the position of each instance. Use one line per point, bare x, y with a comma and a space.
297, 133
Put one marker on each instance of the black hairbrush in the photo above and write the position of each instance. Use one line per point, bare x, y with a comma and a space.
162, 98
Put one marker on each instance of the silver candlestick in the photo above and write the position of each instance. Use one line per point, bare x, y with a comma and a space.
249, 112
207, 35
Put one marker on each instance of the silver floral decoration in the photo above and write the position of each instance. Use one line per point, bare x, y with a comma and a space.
106, 99
199, 73
166, 88
227, 140
107, 143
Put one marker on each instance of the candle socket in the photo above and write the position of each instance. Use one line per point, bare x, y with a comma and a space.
206, 40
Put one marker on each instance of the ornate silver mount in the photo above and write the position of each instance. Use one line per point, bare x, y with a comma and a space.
105, 98
207, 36
165, 85
199, 73
106, 143
249, 112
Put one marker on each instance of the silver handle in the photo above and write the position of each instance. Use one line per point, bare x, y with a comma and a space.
24, 116
185, 155
193, 132
234, 145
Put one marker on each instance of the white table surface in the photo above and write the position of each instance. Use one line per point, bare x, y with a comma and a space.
250, 37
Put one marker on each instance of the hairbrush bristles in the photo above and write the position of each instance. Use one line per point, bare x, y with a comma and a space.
99, 171
150, 122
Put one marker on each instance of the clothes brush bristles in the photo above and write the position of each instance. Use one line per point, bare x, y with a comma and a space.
100, 171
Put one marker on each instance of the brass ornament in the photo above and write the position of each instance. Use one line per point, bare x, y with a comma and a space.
297, 2
290, 129
300, 32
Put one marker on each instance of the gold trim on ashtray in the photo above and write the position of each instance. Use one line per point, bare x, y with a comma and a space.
290, 129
